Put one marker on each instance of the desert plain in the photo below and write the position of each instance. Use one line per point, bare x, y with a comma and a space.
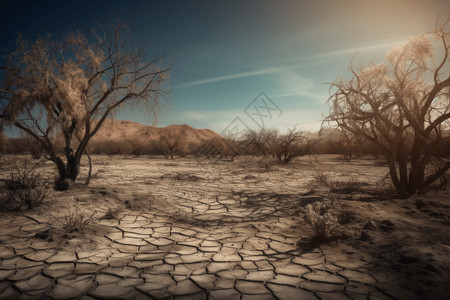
192, 228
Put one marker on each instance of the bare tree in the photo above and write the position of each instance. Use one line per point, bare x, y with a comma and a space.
64, 90
352, 145
401, 106
258, 142
169, 144
270, 143
286, 147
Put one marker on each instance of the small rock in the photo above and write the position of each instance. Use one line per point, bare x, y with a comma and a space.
366, 236
370, 226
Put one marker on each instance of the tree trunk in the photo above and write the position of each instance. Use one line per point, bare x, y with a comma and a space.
74, 168
399, 185
88, 179
70, 170
61, 168
416, 175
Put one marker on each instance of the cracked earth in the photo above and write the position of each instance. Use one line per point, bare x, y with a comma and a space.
188, 229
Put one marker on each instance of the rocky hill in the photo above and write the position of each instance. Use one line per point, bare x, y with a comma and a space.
128, 130
136, 134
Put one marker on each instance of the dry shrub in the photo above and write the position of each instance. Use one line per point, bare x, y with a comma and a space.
322, 179
351, 185
24, 198
23, 176
24, 189
76, 221
346, 186
181, 177
321, 220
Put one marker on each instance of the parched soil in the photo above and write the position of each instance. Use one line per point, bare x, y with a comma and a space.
210, 229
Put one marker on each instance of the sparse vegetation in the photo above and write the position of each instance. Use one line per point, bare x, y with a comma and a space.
24, 189
347, 185
75, 220
271, 144
320, 218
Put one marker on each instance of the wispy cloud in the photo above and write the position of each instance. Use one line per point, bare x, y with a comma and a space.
295, 84
273, 70
301, 60
361, 49
320, 97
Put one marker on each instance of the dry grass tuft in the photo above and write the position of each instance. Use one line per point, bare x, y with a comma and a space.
77, 221
321, 220
344, 186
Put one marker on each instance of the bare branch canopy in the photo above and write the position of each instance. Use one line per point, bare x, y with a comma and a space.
65, 89
401, 106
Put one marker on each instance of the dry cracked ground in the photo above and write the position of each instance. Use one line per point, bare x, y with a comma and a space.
188, 229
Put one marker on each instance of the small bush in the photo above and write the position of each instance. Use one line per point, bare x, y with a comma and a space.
24, 190
24, 198
347, 186
76, 221
23, 176
321, 220
322, 179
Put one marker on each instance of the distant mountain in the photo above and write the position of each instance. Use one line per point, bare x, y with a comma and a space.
128, 131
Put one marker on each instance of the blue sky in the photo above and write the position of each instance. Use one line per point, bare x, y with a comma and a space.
224, 53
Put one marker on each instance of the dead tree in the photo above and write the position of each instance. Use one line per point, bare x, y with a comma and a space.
169, 144
402, 107
64, 90
286, 147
